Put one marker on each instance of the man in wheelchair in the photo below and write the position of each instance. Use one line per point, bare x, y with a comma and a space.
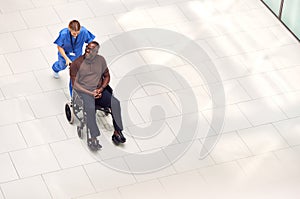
90, 77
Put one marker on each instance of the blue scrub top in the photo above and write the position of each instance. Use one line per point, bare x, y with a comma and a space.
64, 41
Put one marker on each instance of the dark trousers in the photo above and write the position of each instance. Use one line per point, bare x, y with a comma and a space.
106, 101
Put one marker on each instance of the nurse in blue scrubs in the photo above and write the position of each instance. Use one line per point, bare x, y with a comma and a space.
69, 44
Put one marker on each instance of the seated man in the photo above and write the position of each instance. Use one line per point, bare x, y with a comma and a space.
90, 76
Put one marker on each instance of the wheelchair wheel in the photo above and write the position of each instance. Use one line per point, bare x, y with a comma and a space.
69, 112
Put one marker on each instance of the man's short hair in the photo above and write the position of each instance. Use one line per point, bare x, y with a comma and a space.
97, 45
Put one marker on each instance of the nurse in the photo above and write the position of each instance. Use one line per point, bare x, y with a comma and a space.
69, 44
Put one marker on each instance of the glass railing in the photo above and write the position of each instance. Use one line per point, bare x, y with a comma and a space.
288, 12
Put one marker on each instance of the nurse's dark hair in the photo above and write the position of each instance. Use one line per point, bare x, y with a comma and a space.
74, 25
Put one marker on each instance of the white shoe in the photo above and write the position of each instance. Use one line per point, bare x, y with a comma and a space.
55, 75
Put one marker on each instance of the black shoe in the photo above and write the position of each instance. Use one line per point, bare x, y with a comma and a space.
118, 135
122, 138
94, 144
115, 139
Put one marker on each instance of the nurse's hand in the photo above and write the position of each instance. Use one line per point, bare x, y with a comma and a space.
68, 62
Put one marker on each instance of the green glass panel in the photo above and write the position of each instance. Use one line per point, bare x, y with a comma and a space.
291, 15
274, 5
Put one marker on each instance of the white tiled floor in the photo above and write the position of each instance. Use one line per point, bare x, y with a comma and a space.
257, 155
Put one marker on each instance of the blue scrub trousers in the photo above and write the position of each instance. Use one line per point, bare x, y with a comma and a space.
61, 65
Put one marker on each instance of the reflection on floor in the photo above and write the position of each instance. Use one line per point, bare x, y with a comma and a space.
173, 107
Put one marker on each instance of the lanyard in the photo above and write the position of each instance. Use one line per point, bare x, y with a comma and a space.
72, 42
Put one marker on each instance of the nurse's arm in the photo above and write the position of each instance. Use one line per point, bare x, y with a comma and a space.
63, 53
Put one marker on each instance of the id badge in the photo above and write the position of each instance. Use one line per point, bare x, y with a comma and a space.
72, 54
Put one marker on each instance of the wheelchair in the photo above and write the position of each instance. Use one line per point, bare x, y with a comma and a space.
75, 113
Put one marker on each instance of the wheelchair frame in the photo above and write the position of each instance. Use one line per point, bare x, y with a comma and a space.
75, 109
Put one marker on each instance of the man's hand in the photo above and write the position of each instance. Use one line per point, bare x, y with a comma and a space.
97, 93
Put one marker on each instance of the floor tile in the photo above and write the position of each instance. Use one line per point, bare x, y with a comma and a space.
233, 118
8, 172
130, 114
4, 66
96, 26
160, 81
41, 3
258, 62
69, 129
261, 111
19, 85
131, 90
288, 78
103, 177
12, 21
188, 76
36, 185
192, 100
42, 131
32, 38
23, 62
153, 189
230, 67
167, 2
54, 100
71, 153
159, 104
128, 65
8, 43
110, 194
146, 162
184, 185
290, 160
195, 10
227, 148
101, 9
271, 170
35, 17
48, 83
166, 171
228, 174
288, 103
262, 139
155, 135
135, 19
188, 123
166, 15
34, 161
68, 183
161, 57
81, 9
191, 156
233, 91
197, 30
139, 4
17, 110
282, 35
230, 6
287, 55
289, 130
11, 138
15, 5
261, 85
